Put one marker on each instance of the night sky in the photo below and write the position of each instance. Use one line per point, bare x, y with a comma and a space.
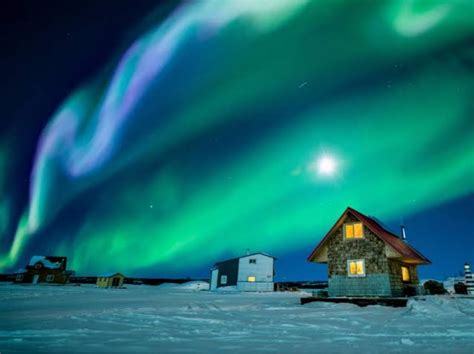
155, 139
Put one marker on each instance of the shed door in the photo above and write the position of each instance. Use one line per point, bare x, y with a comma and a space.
35, 279
214, 276
116, 282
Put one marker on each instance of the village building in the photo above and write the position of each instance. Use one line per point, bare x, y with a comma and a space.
253, 272
365, 259
44, 269
468, 280
112, 280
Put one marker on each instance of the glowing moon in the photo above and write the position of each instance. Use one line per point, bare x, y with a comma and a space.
324, 165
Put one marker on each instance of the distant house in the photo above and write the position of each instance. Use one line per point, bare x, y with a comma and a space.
44, 269
253, 272
112, 280
365, 259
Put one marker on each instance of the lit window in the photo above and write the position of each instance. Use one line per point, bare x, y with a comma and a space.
223, 279
251, 279
349, 231
50, 277
405, 274
354, 230
358, 230
252, 261
356, 268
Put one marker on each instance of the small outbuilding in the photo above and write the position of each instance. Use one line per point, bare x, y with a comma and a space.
44, 269
112, 280
365, 259
253, 272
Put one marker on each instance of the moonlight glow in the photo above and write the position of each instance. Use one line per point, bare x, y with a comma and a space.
326, 165
184, 147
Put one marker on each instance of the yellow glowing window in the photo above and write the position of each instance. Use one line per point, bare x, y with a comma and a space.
356, 268
251, 279
350, 231
358, 230
355, 230
405, 274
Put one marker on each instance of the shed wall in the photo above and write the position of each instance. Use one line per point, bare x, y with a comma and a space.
262, 270
230, 269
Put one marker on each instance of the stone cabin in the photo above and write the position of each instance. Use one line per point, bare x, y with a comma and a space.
365, 259
44, 269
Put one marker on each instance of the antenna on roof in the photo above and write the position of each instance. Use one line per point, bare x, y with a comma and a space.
248, 251
402, 227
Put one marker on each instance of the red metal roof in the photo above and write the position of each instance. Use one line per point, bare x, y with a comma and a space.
404, 249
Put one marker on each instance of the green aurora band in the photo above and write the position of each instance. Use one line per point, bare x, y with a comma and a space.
202, 139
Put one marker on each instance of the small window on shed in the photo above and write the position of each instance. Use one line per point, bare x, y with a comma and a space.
354, 230
223, 279
50, 277
251, 279
19, 277
405, 274
252, 261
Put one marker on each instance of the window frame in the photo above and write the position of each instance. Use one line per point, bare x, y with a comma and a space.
407, 272
20, 277
223, 280
349, 274
252, 261
253, 277
353, 230
50, 277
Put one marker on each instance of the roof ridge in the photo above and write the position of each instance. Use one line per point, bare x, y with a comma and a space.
246, 255
388, 237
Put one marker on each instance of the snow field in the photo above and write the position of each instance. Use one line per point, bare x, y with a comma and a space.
182, 319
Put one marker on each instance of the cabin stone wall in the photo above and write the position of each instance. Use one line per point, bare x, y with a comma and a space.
395, 271
370, 285
376, 282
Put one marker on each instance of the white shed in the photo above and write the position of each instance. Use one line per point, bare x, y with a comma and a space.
253, 272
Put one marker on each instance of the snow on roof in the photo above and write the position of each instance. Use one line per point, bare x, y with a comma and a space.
45, 261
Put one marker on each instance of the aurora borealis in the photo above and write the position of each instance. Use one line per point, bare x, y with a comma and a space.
198, 140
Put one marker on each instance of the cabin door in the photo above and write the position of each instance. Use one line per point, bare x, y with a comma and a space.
35, 279
115, 282
214, 276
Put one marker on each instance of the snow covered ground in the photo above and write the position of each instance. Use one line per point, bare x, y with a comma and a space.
181, 319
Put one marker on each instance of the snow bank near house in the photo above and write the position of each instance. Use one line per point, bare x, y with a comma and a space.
190, 285
226, 289
437, 306
449, 283
194, 285
167, 285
